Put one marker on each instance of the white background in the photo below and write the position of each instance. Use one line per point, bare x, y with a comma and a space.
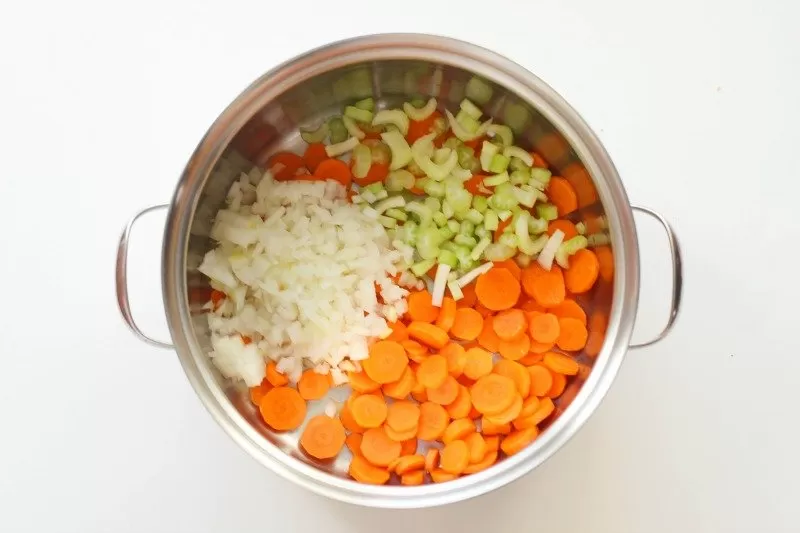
101, 105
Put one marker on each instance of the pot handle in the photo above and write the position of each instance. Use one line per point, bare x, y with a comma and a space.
122, 278
677, 276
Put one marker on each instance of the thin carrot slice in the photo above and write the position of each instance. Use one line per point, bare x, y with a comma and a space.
492, 443
283, 409
362, 471
489, 428
447, 314
467, 325
399, 332
594, 343
409, 463
529, 406
569, 309
488, 460
479, 363
420, 128
369, 411
458, 429
446, 394
518, 374
440, 476
572, 334
334, 169
508, 415
561, 193
455, 457
378, 448
584, 268
409, 479
462, 405
416, 351
361, 382
323, 437
420, 307
545, 286
433, 420
400, 436
497, 289
315, 154
349, 423
258, 392
488, 338
541, 380
557, 388
432, 372
532, 358
428, 334
539, 161
403, 416
567, 228
286, 165
274, 377
606, 259
431, 459
561, 364
515, 349
386, 362
493, 394
401, 388
511, 266
510, 324
377, 172
530, 305
456, 357
538, 348
420, 396
544, 327
517, 440
313, 386
545, 409
353, 442
477, 447
408, 447
469, 298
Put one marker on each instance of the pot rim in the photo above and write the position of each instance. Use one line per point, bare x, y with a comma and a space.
488, 65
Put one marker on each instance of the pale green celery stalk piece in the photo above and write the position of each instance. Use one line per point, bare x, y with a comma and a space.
599, 239
481, 231
509, 239
440, 219
420, 110
519, 153
433, 204
428, 241
357, 114
480, 204
547, 211
542, 175
503, 133
503, 198
422, 212
520, 177
467, 122
434, 188
505, 215
454, 226
387, 222
467, 228
362, 161
478, 90
490, 220
474, 216
499, 164
410, 230
446, 232
488, 151
390, 203
539, 243
470, 109
352, 128
419, 269
392, 116
581, 228
338, 133
465, 240
537, 225
396, 214
374, 188
499, 252
447, 210
399, 180
568, 248
526, 198
479, 248
317, 135
448, 258
497, 179
367, 104
399, 149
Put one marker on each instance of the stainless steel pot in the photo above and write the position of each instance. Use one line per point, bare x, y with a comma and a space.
391, 68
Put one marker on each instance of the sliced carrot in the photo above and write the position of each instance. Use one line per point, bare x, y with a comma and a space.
412, 478
488, 338
447, 314
446, 394
508, 415
561, 193
469, 298
501, 227
529, 406
399, 332
467, 325
518, 374
432, 372
428, 334
594, 343
386, 362
462, 405
544, 327
334, 169
403, 416
286, 165
545, 409
557, 388
420, 395
408, 447
323, 437
431, 459
458, 429
401, 388
415, 351
362, 471
561, 364
283, 409
482, 310
420, 307
584, 268
217, 297
377, 173
541, 380
455, 457
492, 443
532, 358
477, 447
473, 185
313, 386
489, 428
538, 348
497, 289
274, 377
510, 324
420, 128
479, 363
369, 411
573, 335
530, 305
258, 392
349, 423
515, 349
606, 259
488, 460
353, 442
456, 357
400, 436
440, 476
569, 309
567, 228
409, 463
378, 448
511, 266
433, 420
545, 286
315, 154
361, 382
539, 161
517, 440
493, 394
583, 372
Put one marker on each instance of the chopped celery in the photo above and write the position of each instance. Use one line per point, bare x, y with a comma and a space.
446, 232
387, 222
463, 254
547, 211
440, 155
399, 148
497, 179
352, 128
419, 269
504, 215
490, 220
374, 188
470, 109
518, 164
473, 273
478, 90
370, 212
568, 248
467, 122
338, 132
503, 197
519, 177
481, 231
466, 228
462, 133
382, 194
434, 188
455, 290
390, 203
542, 175
454, 226
537, 225
357, 199
499, 164
410, 231
465, 240
519, 153
457, 196
448, 258
357, 114
524, 241
422, 212
523, 260
467, 159
368, 196
420, 151
526, 198
420, 112
396, 214
488, 151
439, 126
503, 133
508, 239
367, 104
498, 252
539, 243
581, 228
516, 116
317, 135
452, 143
599, 239
480, 204
541, 196
474, 216
479, 248
398, 180
462, 174
428, 241
432, 203
420, 183
392, 116
335, 150
362, 161
447, 210
440, 219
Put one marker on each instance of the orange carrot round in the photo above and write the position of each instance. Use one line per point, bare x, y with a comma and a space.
532, 358
432, 372
566, 227
584, 267
286, 165
275, 378
479, 363
541, 380
572, 336
530, 305
467, 325
561, 364
490, 429
362, 471
529, 406
399, 332
376, 173
469, 298
283, 409
462, 405
401, 388
497, 289
400, 436
569, 309
403, 416
369, 411
544, 327
515, 349
492, 443
353, 443
538, 348
315, 154
545, 286
378, 448
408, 447
313, 386
409, 479
334, 169
516, 441
488, 460
493, 394
409, 463
477, 447
457, 430
517, 373
606, 259
446, 394
323, 437
447, 314
386, 362
456, 357
557, 388
511, 266
455, 457
415, 351
508, 415
349, 423
258, 392
543, 410
428, 334
440, 476
361, 382
562, 194
509, 324
420, 307
488, 338
433, 420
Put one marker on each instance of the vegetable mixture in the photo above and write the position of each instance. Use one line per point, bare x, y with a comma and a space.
423, 259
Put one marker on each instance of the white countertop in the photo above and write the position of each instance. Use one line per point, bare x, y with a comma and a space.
100, 107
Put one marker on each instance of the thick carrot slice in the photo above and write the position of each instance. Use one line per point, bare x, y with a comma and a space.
541, 380
492, 443
349, 423
362, 471
283, 409
594, 343
456, 357
361, 382
477, 447
557, 388
420, 307
408, 447
455, 457
447, 314
315, 154
479, 363
517, 440
515, 349
497, 289
274, 377
539, 161
403, 416
517, 373
545, 286
415, 351
493, 394
323, 437
433, 420
428, 334
538, 348
544, 327
561, 364
510, 324
369, 411
401, 388
376, 173
469, 298
334, 169
400, 436
489, 428
353, 442
431, 459
584, 268
488, 338
387, 361
467, 325
313, 386
409, 463
606, 259
432, 372
399, 332
508, 415
530, 305
258, 392
488, 460
532, 358
420, 395
286, 165
566, 227
446, 394
409, 479
572, 334
569, 309
462, 405
440, 476
563, 195
511, 266
458, 429
529, 406
545, 409
378, 448
420, 128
